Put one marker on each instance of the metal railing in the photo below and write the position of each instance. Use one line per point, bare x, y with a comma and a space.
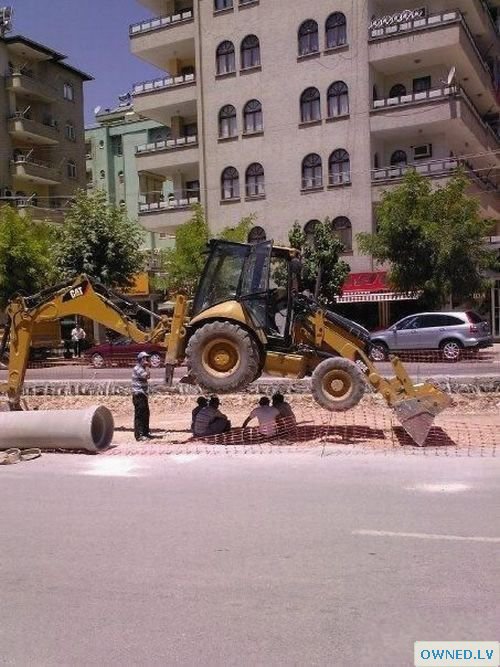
312, 182
432, 168
166, 144
340, 178
162, 83
170, 204
160, 22
29, 160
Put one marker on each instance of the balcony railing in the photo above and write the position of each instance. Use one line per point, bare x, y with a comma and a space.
312, 182
433, 168
168, 205
166, 144
163, 83
426, 22
160, 22
340, 178
26, 81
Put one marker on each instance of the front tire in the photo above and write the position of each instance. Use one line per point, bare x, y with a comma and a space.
337, 384
222, 357
451, 350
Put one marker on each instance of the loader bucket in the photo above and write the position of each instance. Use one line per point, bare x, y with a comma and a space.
417, 414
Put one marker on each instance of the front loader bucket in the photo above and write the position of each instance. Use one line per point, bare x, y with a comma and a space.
417, 414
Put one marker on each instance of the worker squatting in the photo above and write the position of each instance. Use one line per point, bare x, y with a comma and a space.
207, 418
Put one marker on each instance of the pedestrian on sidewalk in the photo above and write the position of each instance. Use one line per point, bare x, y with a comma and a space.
140, 392
78, 335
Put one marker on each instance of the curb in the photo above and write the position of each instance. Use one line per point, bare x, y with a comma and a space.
452, 385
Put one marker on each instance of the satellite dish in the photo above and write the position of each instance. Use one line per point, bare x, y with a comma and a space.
451, 76
97, 110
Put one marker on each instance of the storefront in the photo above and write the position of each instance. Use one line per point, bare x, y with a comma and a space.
368, 299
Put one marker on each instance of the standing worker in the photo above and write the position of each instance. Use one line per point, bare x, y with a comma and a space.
140, 391
78, 335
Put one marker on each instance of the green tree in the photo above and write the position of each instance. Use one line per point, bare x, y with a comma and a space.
433, 239
183, 264
26, 255
98, 239
323, 271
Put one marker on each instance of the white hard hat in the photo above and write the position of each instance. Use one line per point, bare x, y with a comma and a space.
143, 355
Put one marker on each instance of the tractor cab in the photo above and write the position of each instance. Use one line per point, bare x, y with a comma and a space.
260, 277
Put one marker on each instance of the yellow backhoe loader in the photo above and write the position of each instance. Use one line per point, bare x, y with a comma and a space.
248, 317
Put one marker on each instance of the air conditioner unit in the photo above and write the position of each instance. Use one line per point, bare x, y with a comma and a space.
422, 151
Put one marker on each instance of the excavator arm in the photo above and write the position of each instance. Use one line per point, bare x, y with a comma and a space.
87, 298
416, 405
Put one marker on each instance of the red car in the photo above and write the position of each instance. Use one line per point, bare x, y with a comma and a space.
123, 352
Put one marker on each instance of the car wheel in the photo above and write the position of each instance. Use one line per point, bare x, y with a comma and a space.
379, 351
451, 350
98, 360
155, 360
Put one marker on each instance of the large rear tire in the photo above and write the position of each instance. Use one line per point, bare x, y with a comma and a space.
222, 357
337, 384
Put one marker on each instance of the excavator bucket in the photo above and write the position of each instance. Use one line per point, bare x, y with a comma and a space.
417, 414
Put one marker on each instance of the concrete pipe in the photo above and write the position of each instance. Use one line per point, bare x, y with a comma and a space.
91, 429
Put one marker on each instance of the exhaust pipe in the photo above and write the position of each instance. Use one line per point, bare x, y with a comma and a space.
91, 429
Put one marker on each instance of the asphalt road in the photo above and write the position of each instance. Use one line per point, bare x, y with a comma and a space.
280, 559
478, 367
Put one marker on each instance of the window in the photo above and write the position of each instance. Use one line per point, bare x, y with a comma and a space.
252, 117
223, 4
255, 180
339, 167
88, 150
122, 203
69, 92
117, 146
310, 230
192, 188
101, 143
338, 99
228, 125
343, 229
71, 169
336, 30
308, 38
102, 174
312, 172
89, 177
376, 161
190, 130
256, 235
398, 90
310, 105
69, 131
121, 177
421, 84
250, 52
230, 183
399, 159
226, 62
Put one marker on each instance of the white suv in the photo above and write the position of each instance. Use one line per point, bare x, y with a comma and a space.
450, 333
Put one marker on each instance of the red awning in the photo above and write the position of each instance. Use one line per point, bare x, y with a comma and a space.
370, 287
366, 282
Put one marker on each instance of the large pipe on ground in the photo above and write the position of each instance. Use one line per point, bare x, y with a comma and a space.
91, 429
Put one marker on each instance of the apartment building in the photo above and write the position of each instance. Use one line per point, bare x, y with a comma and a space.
299, 110
111, 146
42, 143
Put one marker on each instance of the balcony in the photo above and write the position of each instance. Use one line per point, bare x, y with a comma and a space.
33, 132
26, 168
163, 156
442, 170
166, 216
31, 87
161, 39
439, 40
447, 109
159, 99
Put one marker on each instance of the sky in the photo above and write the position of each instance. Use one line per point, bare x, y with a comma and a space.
94, 36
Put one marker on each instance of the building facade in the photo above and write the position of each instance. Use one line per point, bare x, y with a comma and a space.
111, 146
301, 111
42, 144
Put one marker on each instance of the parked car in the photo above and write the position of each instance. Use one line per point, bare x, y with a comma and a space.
451, 333
123, 352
